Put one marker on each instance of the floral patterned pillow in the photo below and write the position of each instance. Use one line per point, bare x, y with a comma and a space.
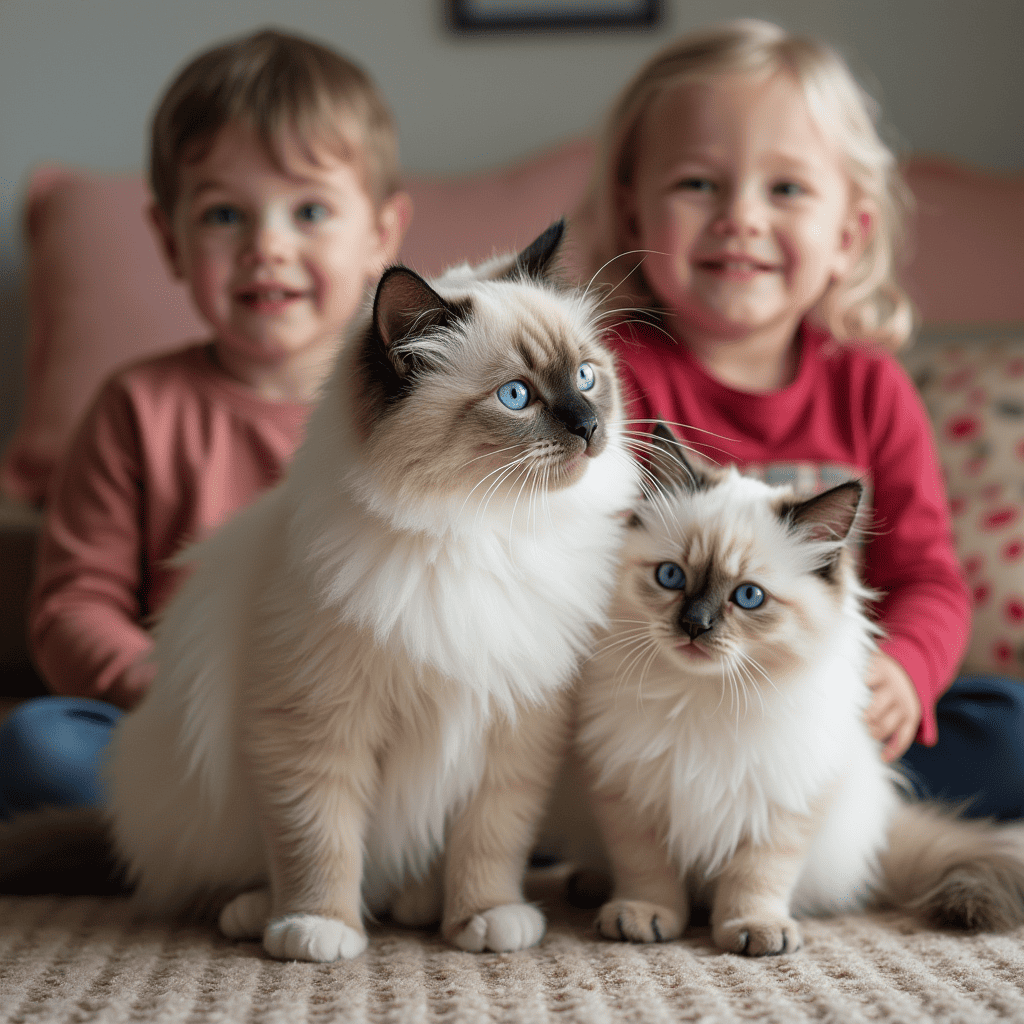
974, 392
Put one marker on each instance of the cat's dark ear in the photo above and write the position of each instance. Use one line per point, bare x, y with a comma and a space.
669, 466
536, 261
405, 308
828, 516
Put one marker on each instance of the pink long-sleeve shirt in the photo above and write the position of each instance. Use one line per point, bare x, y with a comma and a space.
170, 448
850, 412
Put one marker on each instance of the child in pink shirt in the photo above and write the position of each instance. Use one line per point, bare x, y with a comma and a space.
276, 198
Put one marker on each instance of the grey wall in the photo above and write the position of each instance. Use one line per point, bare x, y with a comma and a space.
78, 77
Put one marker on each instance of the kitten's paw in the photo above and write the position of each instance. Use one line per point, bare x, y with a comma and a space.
311, 937
637, 921
754, 936
246, 915
502, 929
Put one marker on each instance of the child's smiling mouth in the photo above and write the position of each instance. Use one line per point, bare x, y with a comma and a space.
269, 298
734, 267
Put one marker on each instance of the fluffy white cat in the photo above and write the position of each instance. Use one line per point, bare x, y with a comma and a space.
721, 726
361, 693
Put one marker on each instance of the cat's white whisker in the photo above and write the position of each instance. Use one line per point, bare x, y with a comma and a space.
500, 469
631, 252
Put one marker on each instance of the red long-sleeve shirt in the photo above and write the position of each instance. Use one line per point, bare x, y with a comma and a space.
168, 450
850, 412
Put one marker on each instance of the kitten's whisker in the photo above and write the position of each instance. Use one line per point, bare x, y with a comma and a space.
634, 654
641, 677
610, 644
768, 679
741, 668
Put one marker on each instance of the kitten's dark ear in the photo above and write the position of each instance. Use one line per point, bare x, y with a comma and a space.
829, 515
535, 261
669, 466
404, 308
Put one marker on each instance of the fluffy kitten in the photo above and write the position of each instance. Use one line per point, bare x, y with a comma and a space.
722, 722
370, 663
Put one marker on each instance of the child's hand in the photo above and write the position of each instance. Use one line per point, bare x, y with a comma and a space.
895, 709
133, 684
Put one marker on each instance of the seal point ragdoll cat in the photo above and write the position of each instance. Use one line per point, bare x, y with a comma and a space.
721, 723
362, 684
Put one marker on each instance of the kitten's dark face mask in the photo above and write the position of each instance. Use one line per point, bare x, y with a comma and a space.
499, 386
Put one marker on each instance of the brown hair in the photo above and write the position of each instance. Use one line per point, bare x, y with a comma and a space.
273, 82
868, 303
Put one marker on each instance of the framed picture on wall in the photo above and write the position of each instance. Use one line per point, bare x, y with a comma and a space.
541, 15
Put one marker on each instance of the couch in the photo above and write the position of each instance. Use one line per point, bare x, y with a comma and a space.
98, 295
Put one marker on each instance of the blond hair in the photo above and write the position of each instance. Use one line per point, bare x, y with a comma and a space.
281, 86
868, 303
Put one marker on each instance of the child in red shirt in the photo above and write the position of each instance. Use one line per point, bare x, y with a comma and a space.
746, 206
276, 198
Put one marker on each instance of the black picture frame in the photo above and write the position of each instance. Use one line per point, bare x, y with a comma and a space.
481, 16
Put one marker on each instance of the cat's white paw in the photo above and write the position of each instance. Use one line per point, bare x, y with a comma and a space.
502, 929
246, 915
637, 921
311, 937
758, 936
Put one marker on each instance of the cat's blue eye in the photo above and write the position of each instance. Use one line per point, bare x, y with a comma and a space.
222, 216
670, 576
311, 212
749, 596
514, 395
585, 377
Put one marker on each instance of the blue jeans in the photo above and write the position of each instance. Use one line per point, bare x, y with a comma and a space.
50, 753
980, 753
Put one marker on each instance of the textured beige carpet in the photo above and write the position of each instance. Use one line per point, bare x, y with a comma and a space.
86, 960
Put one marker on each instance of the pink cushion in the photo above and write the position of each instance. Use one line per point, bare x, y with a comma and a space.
968, 265
476, 216
973, 387
100, 294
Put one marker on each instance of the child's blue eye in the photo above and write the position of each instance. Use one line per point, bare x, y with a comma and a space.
585, 377
670, 576
311, 212
514, 395
222, 215
749, 596
788, 189
696, 184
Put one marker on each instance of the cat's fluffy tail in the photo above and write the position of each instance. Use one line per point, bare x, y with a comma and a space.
66, 850
955, 872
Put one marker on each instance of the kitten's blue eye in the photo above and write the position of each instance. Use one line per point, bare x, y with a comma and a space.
222, 216
585, 377
514, 395
670, 576
749, 596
